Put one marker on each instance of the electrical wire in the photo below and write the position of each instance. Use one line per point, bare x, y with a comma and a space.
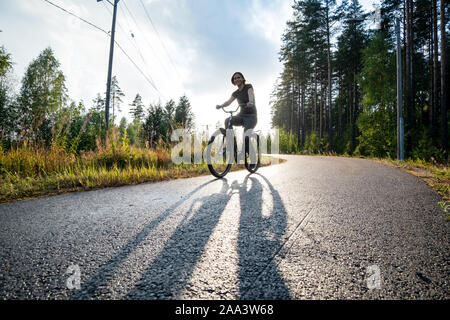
159, 37
118, 45
134, 44
163, 65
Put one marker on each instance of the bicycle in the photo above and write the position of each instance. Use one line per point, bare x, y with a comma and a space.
221, 151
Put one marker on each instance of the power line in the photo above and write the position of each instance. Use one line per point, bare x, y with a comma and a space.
149, 81
143, 33
145, 38
72, 14
134, 44
157, 33
133, 41
118, 45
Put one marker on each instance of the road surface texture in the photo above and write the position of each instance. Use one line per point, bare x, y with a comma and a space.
309, 228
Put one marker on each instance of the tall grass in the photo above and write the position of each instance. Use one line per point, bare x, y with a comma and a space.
30, 169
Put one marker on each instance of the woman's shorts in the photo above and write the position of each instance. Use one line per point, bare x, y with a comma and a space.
247, 121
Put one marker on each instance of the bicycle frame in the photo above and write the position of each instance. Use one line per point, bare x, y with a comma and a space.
229, 126
244, 151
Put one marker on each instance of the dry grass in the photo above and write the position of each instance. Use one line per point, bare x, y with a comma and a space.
436, 175
32, 171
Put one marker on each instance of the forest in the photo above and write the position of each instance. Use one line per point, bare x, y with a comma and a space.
336, 95
51, 144
337, 92
42, 114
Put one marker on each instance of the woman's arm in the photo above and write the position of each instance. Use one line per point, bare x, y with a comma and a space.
228, 102
251, 98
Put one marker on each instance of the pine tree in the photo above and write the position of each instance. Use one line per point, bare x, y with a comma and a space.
184, 116
153, 127
169, 115
7, 107
137, 108
116, 96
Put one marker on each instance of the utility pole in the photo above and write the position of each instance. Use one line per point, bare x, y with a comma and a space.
400, 124
111, 52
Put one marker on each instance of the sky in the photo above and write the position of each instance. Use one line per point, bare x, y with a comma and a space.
170, 48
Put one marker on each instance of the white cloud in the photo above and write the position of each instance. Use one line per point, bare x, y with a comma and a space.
206, 42
269, 18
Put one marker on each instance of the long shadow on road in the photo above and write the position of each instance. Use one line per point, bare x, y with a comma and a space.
104, 272
170, 271
259, 241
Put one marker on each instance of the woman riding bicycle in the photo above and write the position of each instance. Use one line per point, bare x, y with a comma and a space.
247, 117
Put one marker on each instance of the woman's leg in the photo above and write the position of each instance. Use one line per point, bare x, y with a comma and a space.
235, 121
249, 122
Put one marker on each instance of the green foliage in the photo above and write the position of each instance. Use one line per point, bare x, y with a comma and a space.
5, 61
377, 78
377, 122
154, 126
42, 94
312, 143
160, 121
184, 117
288, 142
378, 135
134, 132
137, 108
8, 109
425, 148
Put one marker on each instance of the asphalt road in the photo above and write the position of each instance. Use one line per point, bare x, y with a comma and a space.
309, 228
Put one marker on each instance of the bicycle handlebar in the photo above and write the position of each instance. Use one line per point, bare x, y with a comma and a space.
223, 108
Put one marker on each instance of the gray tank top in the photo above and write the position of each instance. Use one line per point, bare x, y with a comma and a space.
242, 98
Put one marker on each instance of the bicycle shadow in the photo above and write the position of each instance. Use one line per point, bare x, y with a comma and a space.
105, 271
168, 274
259, 240
170, 271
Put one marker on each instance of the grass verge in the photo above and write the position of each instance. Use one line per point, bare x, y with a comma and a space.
89, 177
435, 175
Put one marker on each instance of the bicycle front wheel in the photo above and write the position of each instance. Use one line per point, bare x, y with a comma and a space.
219, 153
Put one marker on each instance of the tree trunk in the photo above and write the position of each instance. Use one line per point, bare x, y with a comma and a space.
444, 107
409, 74
434, 119
430, 79
355, 111
340, 108
315, 102
291, 129
330, 121
303, 116
299, 123
321, 112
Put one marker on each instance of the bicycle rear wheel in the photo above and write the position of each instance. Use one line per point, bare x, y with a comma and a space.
220, 154
252, 156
